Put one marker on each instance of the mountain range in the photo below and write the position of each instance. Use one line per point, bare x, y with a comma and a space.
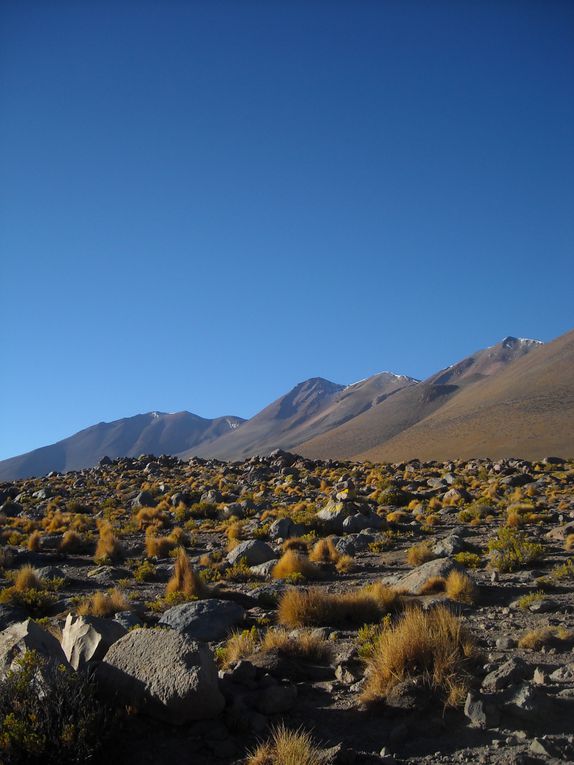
515, 398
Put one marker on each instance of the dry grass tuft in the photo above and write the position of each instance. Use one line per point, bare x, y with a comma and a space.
345, 564
569, 542
27, 578
324, 551
316, 607
295, 543
460, 588
306, 645
433, 646
292, 562
185, 580
547, 637
419, 554
104, 604
108, 547
161, 547
72, 542
286, 747
34, 541
433, 585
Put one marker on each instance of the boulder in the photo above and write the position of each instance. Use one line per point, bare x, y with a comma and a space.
253, 550
450, 545
333, 515
284, 528
164, 674
27, 636
414, 581
263, 569
205, 620
361, 521
88, 638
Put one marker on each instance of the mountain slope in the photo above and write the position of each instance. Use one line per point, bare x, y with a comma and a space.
396, 414
310, 408
152, 433
527, 410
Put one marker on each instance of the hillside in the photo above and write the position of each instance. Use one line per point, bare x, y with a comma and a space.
527, 409
409, 406
152, 433
311, 408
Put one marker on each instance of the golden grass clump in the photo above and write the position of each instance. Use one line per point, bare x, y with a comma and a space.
286, 747
161, 547
324, 551
72, 542
418, 554
460, 588
315, 607
547, 637
185, 580
433, 585
104, 604
239, 645
34, 541
27, 579
108, 547
569, 542
152, 516
306, 645
433, 646
344, 564
295, 543
292, 562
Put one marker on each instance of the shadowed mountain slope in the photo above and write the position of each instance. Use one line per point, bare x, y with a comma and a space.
400, 412
310, 408
152, 433
527, 409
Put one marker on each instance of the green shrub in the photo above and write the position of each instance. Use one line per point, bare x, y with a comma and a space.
49, 714
512, 550
468, 559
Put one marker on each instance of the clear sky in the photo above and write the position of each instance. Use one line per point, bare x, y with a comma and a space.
204, 203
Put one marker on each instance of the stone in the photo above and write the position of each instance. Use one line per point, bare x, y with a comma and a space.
163, 674
361, 521
205, 620
276, 699
480, 713
88, 638
409, 695
333, 515
127, 619
510, 672
253, 550
24, 636
263, 569
414, 581
11, 615
143, 499
450, 545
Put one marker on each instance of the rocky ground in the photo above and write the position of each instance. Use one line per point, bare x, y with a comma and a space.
201, 657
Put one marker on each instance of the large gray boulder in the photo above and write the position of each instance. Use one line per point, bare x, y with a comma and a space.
414, 581
285, 528
164, 674
88, 638
24, 636
360, 521
333, 515
253, 550
204, 620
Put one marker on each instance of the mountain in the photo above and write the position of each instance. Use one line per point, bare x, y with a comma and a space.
525, 410
152, 433
311, 408
369, 431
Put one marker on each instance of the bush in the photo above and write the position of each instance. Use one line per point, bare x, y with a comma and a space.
512, 550
292, 562
418, 554
28, 592
547, 637
49, 715
460, 588
315, 608
185, 582
432, 646
108, 548
104, 604
287, 747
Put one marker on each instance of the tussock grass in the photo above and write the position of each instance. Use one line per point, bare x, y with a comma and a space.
286, 747
33, 543
295, 543
104, 604
569, 542
460, 588
315, 607
547, 637
324, 551
292, 562
185, 581
72, 542
27, 578
419, 554
433, 646
433, 585
306, 645
108, 547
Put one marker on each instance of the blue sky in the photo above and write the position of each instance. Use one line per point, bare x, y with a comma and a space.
204, 203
